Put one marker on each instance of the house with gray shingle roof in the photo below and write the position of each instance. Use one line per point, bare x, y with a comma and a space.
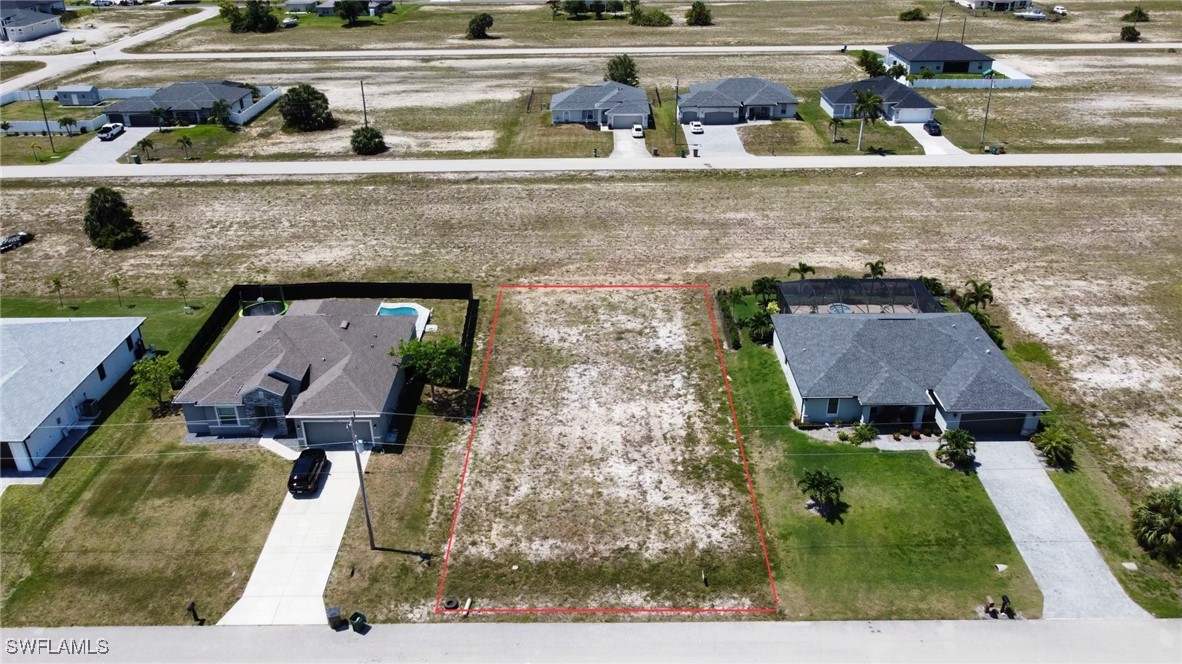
185, 103
302, 375
22, 25
941, 57
903, 370
607, 104
735, 100
53, 372
900, 103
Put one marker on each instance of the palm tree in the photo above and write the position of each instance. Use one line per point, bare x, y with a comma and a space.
955, 297
802, 269
182, 285
978, 294
114, 281
5, 126
834, 125
55, 285
896, 70
221, 111
34, 147
159, 115
1157, 524
877, 269
145, 145
823, 487
185, 142
867, 108
958, 448
67, 123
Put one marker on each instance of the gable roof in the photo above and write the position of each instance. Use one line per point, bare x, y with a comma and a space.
43, 360
188, 96
936, 51
347, 368
600, 96
15, 18
737, 92
81, 87
896, 360
44, 6
893, 93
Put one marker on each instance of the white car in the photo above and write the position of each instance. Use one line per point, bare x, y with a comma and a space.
637, 131
110, 132
1060, 10
101, 3
696, 128
290, 22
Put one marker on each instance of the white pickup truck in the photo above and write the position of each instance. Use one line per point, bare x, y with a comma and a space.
1060, 10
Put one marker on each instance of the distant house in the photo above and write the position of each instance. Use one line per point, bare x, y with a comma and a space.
187, 103
940, 57
302, 375
53, 372
902, 370
373, 7
995, 5
22, 25
900, 103
43, 6
607, 104
734, 100
78, 95
300, 6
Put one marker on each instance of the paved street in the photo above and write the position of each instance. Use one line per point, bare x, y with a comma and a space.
287, 584
911, 642
1075, 581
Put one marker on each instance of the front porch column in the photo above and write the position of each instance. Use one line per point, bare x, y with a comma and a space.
918, 422
865, 414
20, 455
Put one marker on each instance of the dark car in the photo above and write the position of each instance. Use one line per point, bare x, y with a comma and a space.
306, 473
11, 242
932, 127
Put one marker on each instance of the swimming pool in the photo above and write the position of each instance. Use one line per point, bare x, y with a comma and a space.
386, 310
422, 313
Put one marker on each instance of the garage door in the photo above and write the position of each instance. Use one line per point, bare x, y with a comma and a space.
718, 117
625, 121
992, 424
333, 432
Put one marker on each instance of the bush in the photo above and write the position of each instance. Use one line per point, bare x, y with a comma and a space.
1130, 34
871, 63
109, 223
1056, 445
759, 327
806, 426
992, 330
864, 433
843, 436
1138, 15
730, 328
699, 15
257, 16
1157, 524
897, 436
479, 25
915, 433
650, 18
367, 140
926, 74
958, 448
917, 14
934, 285
574, 8
304, 108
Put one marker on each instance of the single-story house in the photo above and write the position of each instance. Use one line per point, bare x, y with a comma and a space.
43, 6
903, 370
373, 7
300, 6
735, 100
188, 103
78, 95
22, 25
900, 103
302, 375
608, 104
995, 5
941, 57
53, 372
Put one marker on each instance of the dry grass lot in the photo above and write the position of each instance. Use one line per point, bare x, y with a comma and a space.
604, 470
90, 28
13, 69
814, 22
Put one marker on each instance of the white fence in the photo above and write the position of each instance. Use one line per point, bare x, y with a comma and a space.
38, 126
972, 83
270, 95
49, 93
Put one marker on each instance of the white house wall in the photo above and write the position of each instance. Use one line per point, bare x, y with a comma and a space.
24, 33
795, 390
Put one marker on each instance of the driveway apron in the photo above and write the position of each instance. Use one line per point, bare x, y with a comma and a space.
626, 147
96, 152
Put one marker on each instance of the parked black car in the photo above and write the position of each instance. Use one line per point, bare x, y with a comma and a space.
307, 471
11, 242
932, 127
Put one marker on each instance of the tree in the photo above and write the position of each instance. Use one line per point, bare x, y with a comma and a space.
877, 269
229, 12
109, 223
652, 18
622, 69
992, 330
871, 63
438, 362
145, 145
958, 448
699, 15
185, 142
114, 281
575, 8
555, 10
759, 326
152, 377
478, 26
834, 125
822, 487
896, 70
350, 10
916, 14
765, 288
55, 287
304, 108
978, 295
615, 6
67, 123
1138, 15
182, 287
867, 108
257, 16
1130, 34
1056, 445
367, 141
219, 112
633, 5
926, 74
802, 269
34, 147
1157, 524
159, 115
5, 126
933, 285
597, 7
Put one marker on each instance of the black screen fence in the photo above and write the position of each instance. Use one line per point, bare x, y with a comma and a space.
868, 296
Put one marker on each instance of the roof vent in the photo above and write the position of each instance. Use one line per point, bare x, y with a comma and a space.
988, 351
344, 325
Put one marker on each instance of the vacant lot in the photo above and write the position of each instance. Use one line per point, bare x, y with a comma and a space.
604, 472
87, 29
10, 69
815, 22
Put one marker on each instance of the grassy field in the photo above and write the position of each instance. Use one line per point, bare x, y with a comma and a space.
819, 22
11, 69
134, 525
207, 140
917, 541
812, 135
18, 150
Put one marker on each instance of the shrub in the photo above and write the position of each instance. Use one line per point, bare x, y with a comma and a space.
806, 426
367, 140
917, 14
915, 434
871, 63
304, 108
864, 433
622, 69
992, 330
759, 327
650, 18
897, 435
479, 25
843, 436
957, 448
575, 8
615, 6
1157, 524
1130, 34
730, 328
1138, 15
934, 285
1056, 445
926, 73
109, 223
699, 15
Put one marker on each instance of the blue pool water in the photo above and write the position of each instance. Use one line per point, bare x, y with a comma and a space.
397, 311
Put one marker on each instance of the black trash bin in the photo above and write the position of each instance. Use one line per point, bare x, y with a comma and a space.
358, 622
335, 620
135, 158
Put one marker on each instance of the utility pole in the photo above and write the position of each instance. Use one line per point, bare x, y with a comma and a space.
361, 477
676, 101
48, 131
988, 99
964, 26
940, 20
364, 111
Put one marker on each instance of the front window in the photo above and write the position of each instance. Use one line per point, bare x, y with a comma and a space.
227, 415
102, 371
831, 409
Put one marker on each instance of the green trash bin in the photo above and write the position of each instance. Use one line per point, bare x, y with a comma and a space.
135, 159
358, 622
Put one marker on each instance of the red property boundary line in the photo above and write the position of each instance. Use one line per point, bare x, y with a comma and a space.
705, 288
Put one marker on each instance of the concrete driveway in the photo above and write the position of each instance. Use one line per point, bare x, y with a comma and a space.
287, 584
930, 144
626, 147
715, 141
96, 152
1075, 581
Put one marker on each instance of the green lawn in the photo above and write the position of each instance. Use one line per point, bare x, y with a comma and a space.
666, 134
134, 525
812, 135
31, 110
207, 140
18, 150
918, 541
13, 69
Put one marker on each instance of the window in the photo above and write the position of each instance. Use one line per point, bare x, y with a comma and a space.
129, 344
227, 416
831, 409
102, 371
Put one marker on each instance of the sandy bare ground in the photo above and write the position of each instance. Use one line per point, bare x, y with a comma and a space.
91, 31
